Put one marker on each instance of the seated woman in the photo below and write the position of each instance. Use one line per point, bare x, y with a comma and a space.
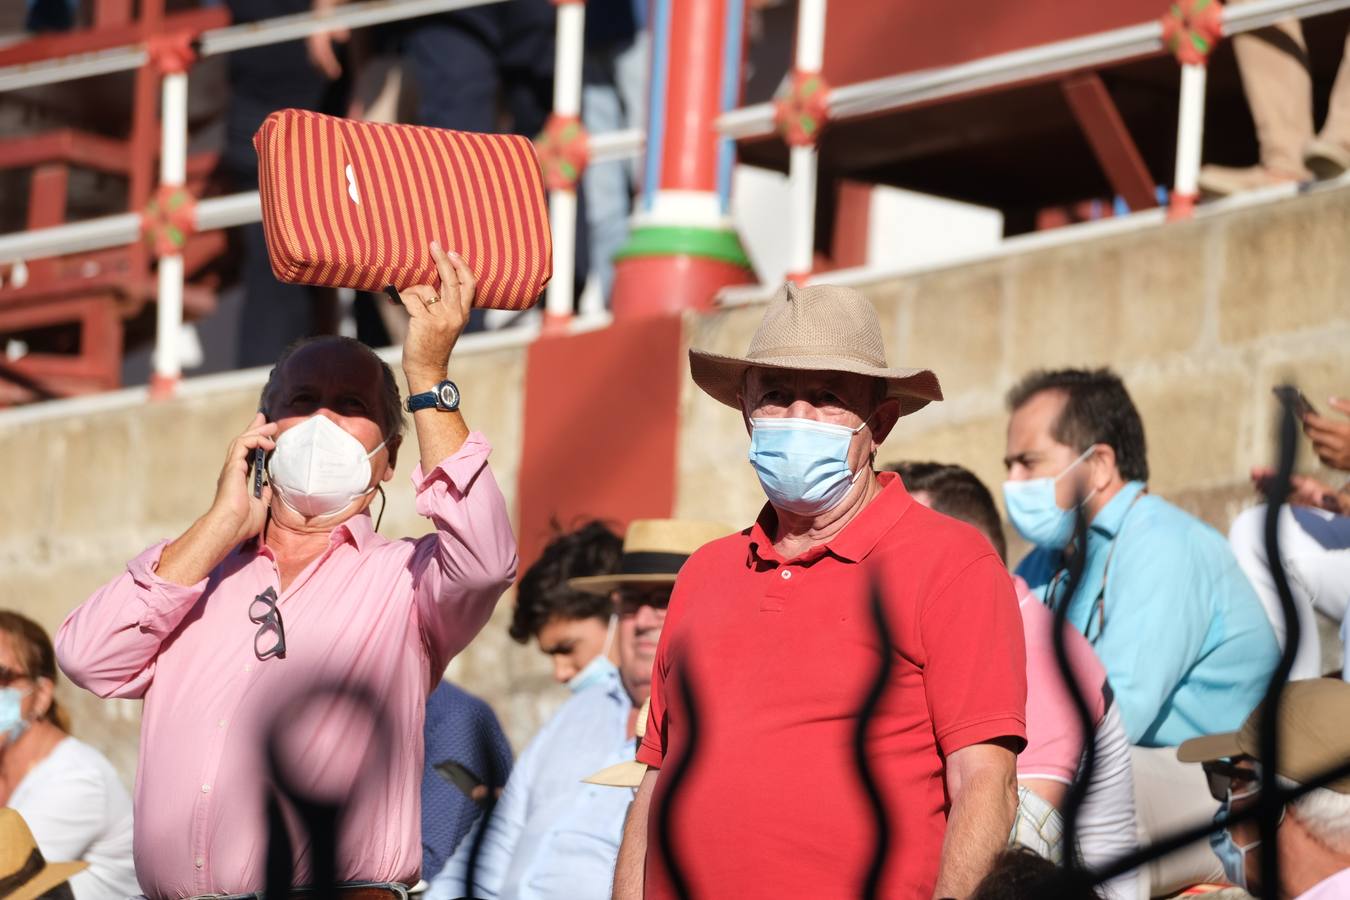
69, 794
573, 628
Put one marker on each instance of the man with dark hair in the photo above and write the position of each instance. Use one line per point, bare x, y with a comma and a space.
1051, 760
1186, 645
574, 628
282, 604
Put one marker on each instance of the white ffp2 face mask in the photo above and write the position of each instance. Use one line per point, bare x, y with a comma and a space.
318, 469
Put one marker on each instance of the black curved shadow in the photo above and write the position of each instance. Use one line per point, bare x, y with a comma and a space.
673, 778
871, 701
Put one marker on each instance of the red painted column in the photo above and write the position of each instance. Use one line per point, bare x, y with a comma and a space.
683, 247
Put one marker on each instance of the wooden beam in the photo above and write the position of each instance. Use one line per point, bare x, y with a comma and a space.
1110, 140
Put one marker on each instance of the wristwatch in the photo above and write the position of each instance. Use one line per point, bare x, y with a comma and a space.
445, 397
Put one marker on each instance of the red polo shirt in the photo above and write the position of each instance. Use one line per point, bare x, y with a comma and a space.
780, 655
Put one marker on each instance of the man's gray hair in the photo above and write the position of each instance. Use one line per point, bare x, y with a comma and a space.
391, 413
1325, 813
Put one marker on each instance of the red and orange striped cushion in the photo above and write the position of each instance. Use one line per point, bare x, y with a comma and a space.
356, 204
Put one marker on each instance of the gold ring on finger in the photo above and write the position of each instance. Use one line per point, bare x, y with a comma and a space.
433, 300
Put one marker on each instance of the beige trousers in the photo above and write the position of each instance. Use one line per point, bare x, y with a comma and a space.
1170, 796
1275, 76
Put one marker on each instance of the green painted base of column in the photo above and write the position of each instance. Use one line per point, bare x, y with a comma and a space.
721, 244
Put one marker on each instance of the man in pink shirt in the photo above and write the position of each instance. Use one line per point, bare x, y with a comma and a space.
1050, 762
275, 603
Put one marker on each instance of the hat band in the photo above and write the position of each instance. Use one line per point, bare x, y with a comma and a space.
652, 563
27, 872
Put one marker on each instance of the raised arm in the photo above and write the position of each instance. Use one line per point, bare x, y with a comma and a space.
461, 570
109, 643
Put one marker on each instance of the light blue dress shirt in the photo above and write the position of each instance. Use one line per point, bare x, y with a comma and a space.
552, 837
1187, 647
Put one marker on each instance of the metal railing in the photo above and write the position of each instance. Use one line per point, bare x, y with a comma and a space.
244, 208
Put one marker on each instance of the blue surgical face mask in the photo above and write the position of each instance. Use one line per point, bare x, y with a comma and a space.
12, 722
1034, 512
1231, 854
598, 669
802, 464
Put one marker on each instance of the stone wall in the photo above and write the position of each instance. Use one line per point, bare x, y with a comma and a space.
1200, 319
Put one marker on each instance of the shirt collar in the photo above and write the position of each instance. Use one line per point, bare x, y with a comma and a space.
859, 536
1112, 515
357, 529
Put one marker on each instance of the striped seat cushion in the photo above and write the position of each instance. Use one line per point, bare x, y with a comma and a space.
356, 204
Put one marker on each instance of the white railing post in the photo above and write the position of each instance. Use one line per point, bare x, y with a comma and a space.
1190, 133
172, 173
562, 201
802, 154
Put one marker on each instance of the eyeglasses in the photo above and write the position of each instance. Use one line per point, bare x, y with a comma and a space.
630, 600
8, 676
1229, 781
263, 611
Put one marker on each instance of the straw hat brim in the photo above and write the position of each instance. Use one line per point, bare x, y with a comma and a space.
721, 377
604, 585
622, 775
44, 881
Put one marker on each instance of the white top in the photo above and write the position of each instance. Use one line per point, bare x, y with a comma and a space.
1337, 887
77, 809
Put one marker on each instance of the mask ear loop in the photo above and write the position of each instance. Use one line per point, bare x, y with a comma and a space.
383, 502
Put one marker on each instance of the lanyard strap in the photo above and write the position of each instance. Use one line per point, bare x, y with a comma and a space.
1099, 605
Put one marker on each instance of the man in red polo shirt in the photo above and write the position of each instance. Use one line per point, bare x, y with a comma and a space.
771, 631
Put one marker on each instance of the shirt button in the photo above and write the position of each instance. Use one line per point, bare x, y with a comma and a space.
220, 724
248, 667
206, 789
199, 862
787, 573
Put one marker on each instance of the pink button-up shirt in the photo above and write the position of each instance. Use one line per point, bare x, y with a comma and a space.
383, 615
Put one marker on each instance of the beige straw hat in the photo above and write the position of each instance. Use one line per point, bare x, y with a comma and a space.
625, 774
1314, 733
819, 328
653, 551
24, 874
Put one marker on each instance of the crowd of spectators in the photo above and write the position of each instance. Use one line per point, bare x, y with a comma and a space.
732, 664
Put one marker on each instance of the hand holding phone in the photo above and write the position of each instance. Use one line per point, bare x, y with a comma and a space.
1294, 400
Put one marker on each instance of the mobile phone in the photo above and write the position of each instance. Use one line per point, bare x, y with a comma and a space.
1294, 401
258, 465
460, 776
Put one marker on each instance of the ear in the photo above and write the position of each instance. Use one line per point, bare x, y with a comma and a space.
43, 690
392, 446
1104, 469
883, 420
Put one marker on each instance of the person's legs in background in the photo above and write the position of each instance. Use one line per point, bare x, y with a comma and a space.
1315, 548
1171, 796
1328, 156
1273, 63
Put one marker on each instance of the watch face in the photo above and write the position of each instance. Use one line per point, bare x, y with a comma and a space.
449, 395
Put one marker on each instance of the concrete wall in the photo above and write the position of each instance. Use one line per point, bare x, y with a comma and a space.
1200, 319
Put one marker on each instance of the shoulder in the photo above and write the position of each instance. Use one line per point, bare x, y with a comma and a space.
715, 553
1161, 528
74, 767
928, 543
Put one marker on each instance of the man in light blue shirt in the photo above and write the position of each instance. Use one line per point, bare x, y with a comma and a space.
551, 836
1186, 644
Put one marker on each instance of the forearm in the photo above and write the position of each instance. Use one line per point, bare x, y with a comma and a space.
977, 830
195, 554
440, 434
629, 870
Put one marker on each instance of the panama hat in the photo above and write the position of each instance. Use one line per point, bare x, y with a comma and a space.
1314, 733
823, 328
653, 551
625, 774
24, 874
